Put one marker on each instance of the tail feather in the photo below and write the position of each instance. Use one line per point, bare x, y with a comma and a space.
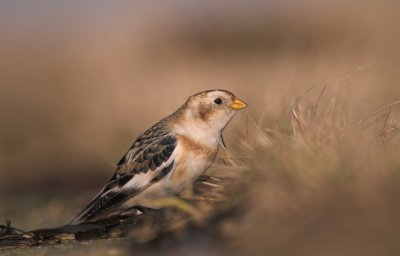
95, 205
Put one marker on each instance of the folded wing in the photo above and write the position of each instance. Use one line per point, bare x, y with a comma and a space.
148, 160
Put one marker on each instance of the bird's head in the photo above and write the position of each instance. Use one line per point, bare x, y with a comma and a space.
211, 110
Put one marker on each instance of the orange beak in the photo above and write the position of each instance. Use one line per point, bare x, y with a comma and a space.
238, 104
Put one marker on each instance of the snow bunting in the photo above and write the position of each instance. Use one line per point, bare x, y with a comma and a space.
167, 158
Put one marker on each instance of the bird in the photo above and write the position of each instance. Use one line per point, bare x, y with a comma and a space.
168, 158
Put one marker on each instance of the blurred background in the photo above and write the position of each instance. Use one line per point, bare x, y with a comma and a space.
79, 80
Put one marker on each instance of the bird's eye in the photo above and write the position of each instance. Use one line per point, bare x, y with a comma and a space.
218, 101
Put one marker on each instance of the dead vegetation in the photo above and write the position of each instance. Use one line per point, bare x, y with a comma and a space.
142, 228
324, 182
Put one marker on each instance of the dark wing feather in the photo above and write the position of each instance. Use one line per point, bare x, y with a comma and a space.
148, 156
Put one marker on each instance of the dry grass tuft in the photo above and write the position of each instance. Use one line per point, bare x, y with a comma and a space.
321, 183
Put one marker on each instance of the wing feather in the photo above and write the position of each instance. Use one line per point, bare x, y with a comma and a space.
146, 162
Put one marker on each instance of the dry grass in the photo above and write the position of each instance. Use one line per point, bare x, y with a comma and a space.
321, 183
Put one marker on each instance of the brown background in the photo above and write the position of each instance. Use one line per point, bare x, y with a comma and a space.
79, 81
